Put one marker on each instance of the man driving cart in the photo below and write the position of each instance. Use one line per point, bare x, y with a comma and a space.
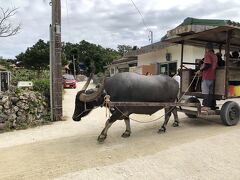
208, 73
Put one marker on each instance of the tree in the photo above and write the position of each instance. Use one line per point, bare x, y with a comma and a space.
6, 28
95, 57
70, 52
35, 57
123, 49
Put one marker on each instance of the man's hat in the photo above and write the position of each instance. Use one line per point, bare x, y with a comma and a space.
209, 45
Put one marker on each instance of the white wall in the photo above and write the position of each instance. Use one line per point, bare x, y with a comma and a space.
190, 54
116, 67
159, 55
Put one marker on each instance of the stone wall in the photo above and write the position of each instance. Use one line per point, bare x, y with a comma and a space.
21, 109
80, 78
98, 78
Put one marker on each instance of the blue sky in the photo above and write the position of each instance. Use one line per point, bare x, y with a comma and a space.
108, 22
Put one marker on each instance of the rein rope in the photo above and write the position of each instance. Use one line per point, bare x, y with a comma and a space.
107, 105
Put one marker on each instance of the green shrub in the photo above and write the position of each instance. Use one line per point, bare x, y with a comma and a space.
42, 86
28, 75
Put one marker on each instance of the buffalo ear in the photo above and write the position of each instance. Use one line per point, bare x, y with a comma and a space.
89, 91
84, 97
98, 85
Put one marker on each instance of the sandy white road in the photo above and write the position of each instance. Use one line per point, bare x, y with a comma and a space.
198, 149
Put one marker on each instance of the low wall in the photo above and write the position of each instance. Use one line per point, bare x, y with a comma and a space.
21, 109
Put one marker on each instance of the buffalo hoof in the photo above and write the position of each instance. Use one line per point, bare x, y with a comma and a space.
175, 124
162, 130
126, 134
101, 138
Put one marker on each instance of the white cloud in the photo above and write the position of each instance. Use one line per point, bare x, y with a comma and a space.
108, 22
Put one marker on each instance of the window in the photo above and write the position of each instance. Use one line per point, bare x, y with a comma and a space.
169, 69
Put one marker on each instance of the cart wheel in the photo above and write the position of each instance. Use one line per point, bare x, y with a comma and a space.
230, 113
192, 100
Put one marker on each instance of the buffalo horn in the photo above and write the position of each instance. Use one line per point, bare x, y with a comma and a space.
87, 83
90, 97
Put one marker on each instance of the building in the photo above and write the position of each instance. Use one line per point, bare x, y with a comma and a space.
164, 58
2, 68
124, 64
157, 58
5, 77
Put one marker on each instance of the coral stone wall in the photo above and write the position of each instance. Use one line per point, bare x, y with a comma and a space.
21, 109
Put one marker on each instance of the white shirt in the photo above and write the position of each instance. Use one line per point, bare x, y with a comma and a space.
178, 79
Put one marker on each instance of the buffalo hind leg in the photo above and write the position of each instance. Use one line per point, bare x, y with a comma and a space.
127, 133
176, 122
167, 111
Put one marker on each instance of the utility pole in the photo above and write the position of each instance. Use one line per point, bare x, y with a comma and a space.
74, 66
151, 36
55, 62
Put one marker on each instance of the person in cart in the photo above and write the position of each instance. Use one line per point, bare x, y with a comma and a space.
208, 73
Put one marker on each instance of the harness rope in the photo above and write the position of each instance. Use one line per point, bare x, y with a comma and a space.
107, 102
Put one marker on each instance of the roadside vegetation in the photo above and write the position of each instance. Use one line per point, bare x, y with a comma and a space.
23, 108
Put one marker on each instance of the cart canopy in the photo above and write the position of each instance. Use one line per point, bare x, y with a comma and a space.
199, 31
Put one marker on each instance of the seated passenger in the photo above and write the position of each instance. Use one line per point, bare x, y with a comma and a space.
221, 62
235, 55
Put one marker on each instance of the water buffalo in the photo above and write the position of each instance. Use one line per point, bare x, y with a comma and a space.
128, 87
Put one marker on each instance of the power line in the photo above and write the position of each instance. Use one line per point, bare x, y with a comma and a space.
144, 23
139, 12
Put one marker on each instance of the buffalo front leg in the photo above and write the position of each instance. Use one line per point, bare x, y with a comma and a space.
103, 134
167, 111
127, 133
175, 114
115, 115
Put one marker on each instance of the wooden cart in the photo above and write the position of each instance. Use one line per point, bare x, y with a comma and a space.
225, 39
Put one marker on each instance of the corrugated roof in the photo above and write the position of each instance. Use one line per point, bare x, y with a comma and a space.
125, 60
194, 25
209, 22
149, 48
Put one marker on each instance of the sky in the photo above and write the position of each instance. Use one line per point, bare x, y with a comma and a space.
108, 22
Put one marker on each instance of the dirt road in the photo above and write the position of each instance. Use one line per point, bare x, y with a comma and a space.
198, 149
